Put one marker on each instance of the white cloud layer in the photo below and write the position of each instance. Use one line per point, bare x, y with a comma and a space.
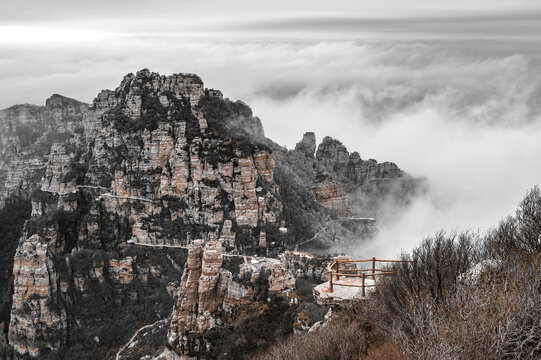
464, 114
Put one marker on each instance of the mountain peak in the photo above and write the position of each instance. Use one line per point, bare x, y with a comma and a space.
59, 101
143, 83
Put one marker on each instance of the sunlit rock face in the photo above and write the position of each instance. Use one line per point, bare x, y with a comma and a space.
202, 289
142, 165
181, 167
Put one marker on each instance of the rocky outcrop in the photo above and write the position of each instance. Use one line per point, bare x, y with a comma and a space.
307, 145
27, 133
361, 171
202, 291
329, 194
332, 154
209, 295
38, 320
57, 171
177, 160
304, 265
335, 158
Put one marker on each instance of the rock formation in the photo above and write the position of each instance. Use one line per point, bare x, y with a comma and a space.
332, 154
38, 321
211, 298
329, 194
120, 188
27, 133
307, 145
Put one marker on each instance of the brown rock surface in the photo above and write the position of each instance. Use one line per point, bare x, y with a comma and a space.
208, 294
38, 321
329, 194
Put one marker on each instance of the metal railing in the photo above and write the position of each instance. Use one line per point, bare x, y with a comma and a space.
336, 271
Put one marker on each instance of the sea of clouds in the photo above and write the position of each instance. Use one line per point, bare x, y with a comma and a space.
464, 117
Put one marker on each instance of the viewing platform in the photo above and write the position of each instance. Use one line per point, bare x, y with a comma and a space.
347, 282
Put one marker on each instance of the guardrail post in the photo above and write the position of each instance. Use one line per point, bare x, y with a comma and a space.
362, 277
374, 269
330, 280
337, 269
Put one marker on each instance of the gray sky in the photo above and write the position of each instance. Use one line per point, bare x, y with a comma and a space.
62, 9
450, 90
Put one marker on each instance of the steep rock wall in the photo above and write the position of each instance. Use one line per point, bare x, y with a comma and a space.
38, 320
210, 298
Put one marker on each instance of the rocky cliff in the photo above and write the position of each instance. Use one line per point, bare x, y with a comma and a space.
27, 133
248, 304
162, 181
38, 321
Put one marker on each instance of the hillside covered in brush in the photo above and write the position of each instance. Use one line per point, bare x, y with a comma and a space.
455, 296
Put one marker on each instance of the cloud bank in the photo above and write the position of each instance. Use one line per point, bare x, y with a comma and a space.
464, 114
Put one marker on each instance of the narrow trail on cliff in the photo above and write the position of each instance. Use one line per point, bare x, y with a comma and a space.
125, 197
135, 335
327, 224
78, 187
182, 247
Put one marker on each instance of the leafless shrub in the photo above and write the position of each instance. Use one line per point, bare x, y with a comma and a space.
454, 297
409, 304
344, 336
386, 351
521, 232
502, 313
432, 311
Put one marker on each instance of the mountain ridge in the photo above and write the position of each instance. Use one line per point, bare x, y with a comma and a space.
120, 188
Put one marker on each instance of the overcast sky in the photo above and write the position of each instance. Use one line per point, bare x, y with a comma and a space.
62, 9
450, 90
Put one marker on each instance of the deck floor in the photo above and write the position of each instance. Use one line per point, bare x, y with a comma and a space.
342, 293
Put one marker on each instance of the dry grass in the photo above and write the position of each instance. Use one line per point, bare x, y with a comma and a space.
344, 336
386, 351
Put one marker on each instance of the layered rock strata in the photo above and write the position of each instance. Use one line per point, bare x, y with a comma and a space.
209, 295
38, 320
328, 193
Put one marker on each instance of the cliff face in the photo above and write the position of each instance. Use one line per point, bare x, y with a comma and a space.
350, 185
27, 133
236, 304
142, 166
328, 193
120, 190
38, 321
175, 169
350, 168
